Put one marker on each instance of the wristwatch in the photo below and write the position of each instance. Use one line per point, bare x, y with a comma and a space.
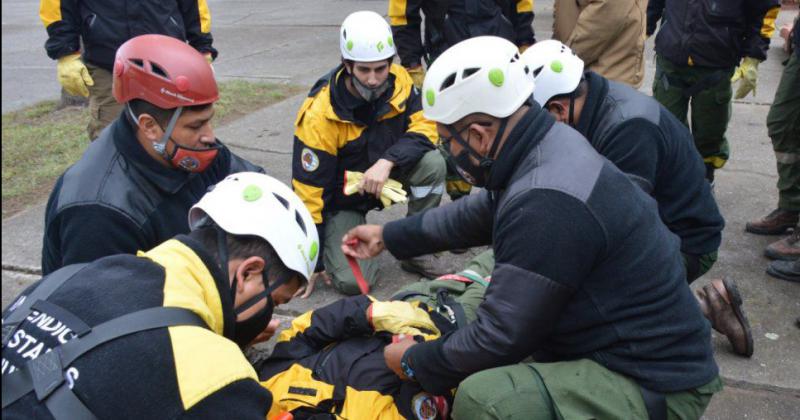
405, 365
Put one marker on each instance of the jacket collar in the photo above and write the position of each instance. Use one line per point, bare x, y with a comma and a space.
523, 139
169, 180
196, 282
343, 103
591, 113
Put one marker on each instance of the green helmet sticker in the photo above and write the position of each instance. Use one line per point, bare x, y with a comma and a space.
380, 46
390, 41
496, 77
430, 96
252, 193
349, 45
312, 252
557, 66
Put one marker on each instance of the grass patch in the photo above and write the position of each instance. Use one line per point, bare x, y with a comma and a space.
39, 142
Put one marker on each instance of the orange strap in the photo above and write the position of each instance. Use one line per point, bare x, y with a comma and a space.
362, 283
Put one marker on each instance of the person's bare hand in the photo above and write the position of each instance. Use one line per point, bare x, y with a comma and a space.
393, 354
363, 241
375, 177
268, 332
306, 290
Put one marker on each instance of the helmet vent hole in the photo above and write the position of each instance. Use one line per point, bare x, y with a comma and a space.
158, 70
537, 71
282, 201
137, 62
300, 222
515, 57
469, 72
449, 81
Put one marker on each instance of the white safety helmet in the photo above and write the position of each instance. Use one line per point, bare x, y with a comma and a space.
555, 69
481, 74
366, 37
251, 203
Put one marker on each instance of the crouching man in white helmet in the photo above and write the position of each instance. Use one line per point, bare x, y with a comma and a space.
585, 269
364, 116
159, 334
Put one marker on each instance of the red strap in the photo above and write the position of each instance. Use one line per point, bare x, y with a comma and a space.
455, 277
362, 284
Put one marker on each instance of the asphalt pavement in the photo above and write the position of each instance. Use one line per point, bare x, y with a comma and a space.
296, 42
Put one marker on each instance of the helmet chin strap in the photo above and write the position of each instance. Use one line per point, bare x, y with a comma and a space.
161, 146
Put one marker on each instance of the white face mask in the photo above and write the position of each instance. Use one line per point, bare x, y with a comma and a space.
369, 94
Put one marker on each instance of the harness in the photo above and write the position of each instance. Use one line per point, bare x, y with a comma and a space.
46, 374
445, 303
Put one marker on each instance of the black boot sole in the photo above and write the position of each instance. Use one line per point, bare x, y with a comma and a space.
763, 231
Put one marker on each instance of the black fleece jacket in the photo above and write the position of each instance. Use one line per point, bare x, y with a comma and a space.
647, 142
584, 269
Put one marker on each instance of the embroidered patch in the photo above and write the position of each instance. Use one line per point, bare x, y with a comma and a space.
309, 160
424, 406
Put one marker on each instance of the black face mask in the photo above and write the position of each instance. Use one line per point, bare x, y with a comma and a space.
245, 331
476, 175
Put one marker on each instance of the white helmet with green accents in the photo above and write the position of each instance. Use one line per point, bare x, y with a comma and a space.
251, 203
366, 37
481, 74
555, 69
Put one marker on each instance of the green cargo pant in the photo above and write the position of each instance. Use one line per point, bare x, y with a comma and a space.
468, 295
783, 126
580, 389
711, 107
103, 108
424, 185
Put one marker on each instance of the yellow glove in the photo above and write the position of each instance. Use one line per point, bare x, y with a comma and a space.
399, 317
73, 75
417, 75
392, 192
747, 72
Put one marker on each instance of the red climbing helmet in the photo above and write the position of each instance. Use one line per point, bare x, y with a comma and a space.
163, 71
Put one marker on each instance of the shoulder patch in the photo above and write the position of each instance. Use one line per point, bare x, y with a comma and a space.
309, 160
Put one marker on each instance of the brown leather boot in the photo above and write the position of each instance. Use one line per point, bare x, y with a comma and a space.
775, 223
787, 249
721, 303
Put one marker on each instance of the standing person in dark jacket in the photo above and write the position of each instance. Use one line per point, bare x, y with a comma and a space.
447, 23
364, 116
133, 186
161, 332
697, 50
585, 271
83, 35
644, 140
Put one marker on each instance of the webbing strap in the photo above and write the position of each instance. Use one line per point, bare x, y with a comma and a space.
45, 374
46, 287
447, 301
362, 283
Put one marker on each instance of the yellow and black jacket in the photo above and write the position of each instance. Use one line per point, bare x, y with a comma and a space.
336, 131
330, 364
103, 25
174, 372
448, 22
